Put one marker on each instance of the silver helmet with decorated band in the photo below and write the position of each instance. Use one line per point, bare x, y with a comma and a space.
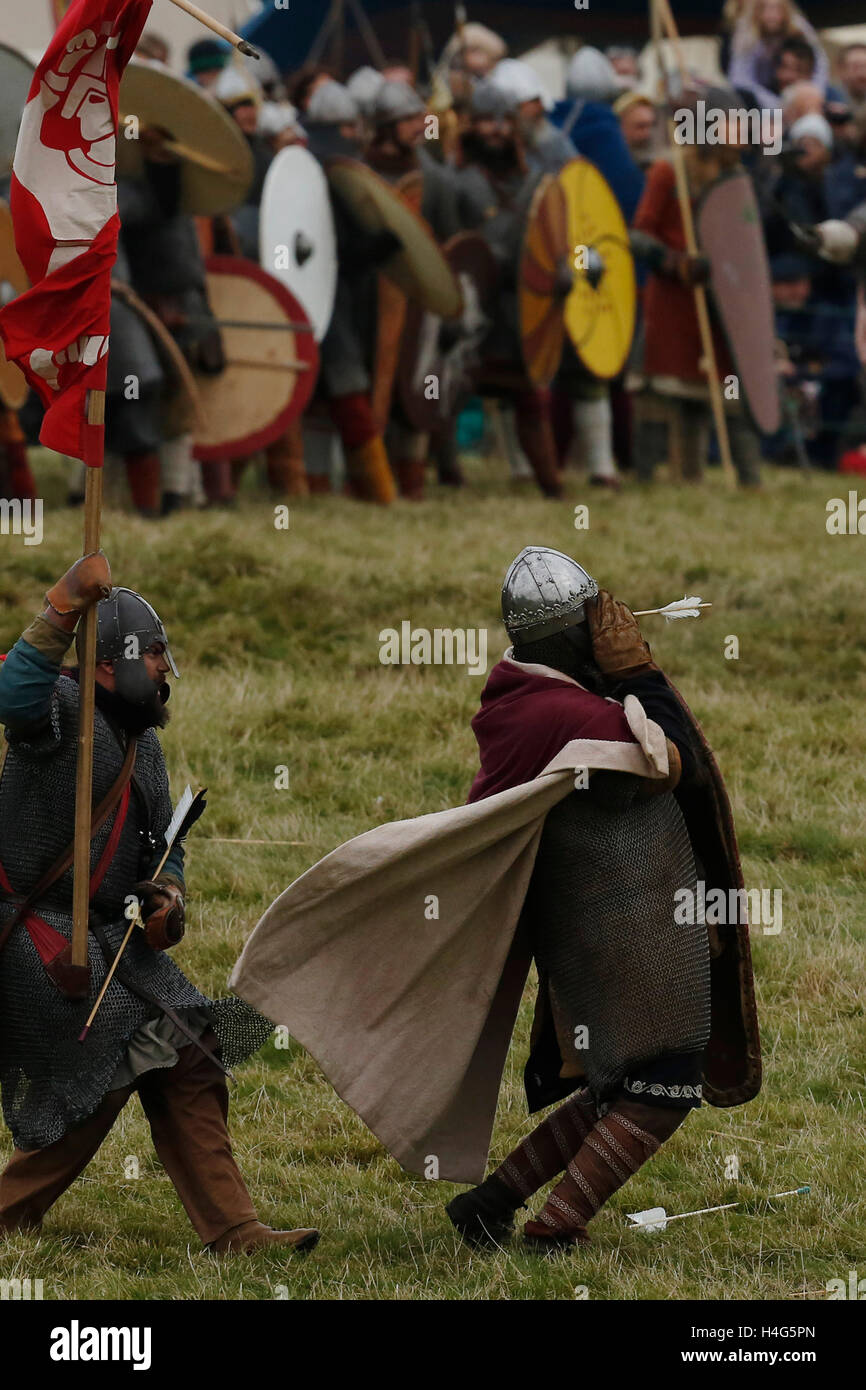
544, 592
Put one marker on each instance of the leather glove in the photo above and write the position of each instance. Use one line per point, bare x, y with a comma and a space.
617, 644
689, 270
82, 586
162, 911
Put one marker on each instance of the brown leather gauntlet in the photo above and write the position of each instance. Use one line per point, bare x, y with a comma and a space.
617, 643
162, 911
83, 585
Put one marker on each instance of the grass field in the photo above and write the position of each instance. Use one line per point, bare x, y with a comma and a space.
277, 637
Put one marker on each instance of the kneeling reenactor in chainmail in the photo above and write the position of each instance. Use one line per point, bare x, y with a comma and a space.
155, 1032
626, 990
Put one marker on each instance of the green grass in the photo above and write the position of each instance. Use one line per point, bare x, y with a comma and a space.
276, 635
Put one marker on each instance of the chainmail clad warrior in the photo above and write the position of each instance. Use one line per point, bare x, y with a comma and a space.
495, 187
155, 1032
332, 125
673, 355
396, 150
626, 991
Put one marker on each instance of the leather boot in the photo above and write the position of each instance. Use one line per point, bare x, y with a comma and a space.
535, 433
616, 1147
143, 473
485, 1214
370, 476
410, 479
252, 1235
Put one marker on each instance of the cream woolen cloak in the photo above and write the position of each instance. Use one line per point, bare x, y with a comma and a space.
410, 1017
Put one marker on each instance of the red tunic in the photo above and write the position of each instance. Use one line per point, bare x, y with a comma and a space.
673, 339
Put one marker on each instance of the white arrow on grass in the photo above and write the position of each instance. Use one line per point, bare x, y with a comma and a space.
656, 1218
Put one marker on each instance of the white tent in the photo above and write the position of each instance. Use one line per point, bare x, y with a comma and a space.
28, 27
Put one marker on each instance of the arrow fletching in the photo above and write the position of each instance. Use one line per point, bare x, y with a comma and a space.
680, 608
654, 1219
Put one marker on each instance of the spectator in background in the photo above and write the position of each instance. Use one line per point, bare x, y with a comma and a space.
475, 50
801, 99
205, 60
820, 372
638, 122
305, 82
625, 63
796, 65
852, 75
846, 178
760, 33
795, 62
154, 48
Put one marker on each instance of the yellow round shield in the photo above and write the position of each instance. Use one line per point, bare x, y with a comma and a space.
600, 308
543, 273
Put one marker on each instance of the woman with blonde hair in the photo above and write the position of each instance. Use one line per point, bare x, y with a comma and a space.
761, 29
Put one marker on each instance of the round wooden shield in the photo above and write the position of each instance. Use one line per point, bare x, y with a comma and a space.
13, 281
271, 361
436, 369
600, 311
544, 263
216, 161
297, 241
419, 269
16, 75
731, 236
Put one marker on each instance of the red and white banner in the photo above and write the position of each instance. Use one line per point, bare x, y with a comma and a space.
64, 211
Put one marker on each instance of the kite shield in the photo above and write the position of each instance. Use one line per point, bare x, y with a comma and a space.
13, 281
271, 361
600, 310
216, 162
731, 236
419, 267
297, 242
431, 352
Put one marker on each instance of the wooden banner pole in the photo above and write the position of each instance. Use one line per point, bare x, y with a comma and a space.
217, 28
662, 15
86, 708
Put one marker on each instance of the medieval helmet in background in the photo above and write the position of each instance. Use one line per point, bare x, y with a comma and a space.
395, 101
126, 626
544, 592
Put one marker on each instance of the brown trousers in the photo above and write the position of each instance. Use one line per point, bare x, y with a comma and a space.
187, 1108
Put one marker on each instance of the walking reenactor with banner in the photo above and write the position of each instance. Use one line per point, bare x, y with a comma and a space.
155, 1033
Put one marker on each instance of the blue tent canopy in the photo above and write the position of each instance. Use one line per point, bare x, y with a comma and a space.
287, 35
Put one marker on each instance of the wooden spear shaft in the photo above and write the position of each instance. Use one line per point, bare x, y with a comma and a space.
662, 15
86, 707
210, 23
